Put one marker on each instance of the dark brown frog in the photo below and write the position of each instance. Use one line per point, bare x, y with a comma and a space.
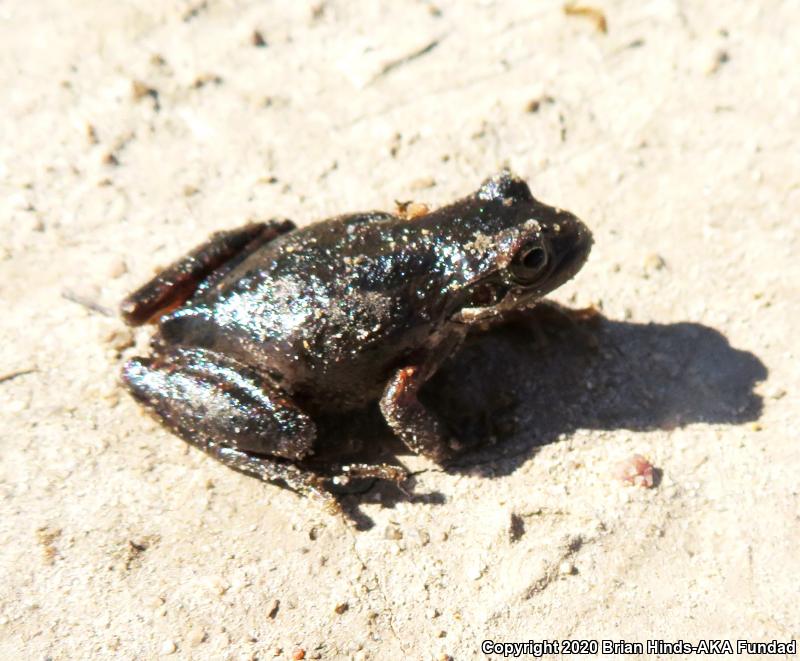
263, 328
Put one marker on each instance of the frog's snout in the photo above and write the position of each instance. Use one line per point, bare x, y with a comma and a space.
571, 246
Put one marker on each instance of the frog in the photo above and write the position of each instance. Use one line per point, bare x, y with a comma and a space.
263, 329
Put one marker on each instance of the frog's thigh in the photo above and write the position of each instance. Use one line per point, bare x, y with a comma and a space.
230, 412
208, 398
419, 428
176, 284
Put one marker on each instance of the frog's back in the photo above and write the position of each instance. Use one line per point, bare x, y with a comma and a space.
328, 309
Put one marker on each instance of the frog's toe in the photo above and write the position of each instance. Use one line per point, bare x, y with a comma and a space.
271, 469
396, 474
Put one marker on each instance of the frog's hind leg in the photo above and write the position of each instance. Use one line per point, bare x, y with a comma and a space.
177, 283
231, 412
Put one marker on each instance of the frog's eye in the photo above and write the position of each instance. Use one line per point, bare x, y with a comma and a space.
529, 263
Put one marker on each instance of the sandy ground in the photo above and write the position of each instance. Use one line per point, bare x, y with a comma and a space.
129, 131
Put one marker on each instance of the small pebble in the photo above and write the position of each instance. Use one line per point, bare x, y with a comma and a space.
422, 182
341, 607
419, 537
155, 602
116, 267
299, 654
272, 609
392, 532
196, 636
654, 262
118, 338
18, 405
516, 527
417, 209
719, 58
140, 90
475, 571
592, 13
168, 647
535, 104
217, 585
411, 210
777, 393
635, 470
566, 568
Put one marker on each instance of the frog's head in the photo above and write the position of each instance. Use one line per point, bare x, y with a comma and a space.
519, 249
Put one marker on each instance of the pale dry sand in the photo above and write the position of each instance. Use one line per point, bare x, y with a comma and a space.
129, 131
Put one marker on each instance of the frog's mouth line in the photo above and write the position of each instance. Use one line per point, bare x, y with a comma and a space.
501, 294
511, 299
491, 299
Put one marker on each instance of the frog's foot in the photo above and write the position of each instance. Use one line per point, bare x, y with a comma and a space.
177, 283
271, 469
419, 428
230, 412
389, 472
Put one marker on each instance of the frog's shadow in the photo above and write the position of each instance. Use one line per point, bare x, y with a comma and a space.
511, 390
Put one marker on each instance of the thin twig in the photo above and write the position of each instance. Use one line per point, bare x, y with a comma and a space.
86, 302
13, 375
405, 59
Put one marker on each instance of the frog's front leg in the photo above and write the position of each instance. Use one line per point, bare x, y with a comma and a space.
418, 427
177, 283
231, 412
